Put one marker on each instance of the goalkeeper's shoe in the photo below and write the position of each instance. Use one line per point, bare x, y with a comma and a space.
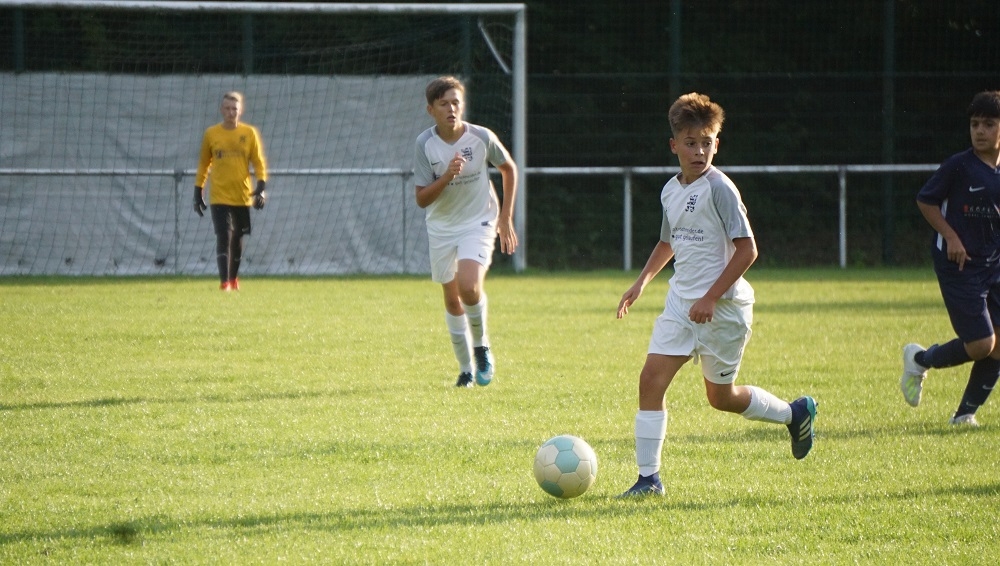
234, 284
964, 420
801, 428
484, 365
225, 286
644, 486
464, 380
912, 380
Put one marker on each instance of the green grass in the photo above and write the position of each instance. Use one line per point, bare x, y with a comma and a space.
314, 420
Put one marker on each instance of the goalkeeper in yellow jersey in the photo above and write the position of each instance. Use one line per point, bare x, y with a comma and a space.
228, 149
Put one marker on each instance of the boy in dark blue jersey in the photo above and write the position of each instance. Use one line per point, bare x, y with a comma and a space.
961, 202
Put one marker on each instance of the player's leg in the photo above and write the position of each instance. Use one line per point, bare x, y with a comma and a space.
470, 290
235, 259
241, 229
756, 404
222, 221
671, 345
964, 295
469, 280
985, 372
222, 252
982, 379
458, 331
444, 266
651, 421
721, 344
475, 253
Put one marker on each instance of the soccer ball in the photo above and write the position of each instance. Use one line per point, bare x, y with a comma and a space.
565, 466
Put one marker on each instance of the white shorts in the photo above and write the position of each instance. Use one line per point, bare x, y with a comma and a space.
719, 343
476, 244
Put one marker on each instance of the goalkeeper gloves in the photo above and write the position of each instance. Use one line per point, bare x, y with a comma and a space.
259, 196
199, 202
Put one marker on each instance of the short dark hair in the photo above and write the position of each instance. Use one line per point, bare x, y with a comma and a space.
695, 110
441, 85
986, 104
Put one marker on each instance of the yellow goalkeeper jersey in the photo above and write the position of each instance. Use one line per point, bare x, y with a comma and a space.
226, 156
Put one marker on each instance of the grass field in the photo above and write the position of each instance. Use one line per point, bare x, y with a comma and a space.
314, 420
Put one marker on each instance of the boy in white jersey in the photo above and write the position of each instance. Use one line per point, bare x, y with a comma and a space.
464, 219
709, 307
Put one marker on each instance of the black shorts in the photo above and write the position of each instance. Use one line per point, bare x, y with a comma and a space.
971, 296
227, 218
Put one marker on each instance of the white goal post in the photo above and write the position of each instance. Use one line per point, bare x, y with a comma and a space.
14, 172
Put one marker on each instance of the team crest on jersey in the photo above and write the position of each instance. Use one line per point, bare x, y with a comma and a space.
243, 140
467, 153
692, 200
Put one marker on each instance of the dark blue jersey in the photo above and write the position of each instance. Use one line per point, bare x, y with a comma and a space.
968, 192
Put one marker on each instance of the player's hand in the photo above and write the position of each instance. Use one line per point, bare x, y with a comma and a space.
957, 252
455, 165
259, 196
508, 236
702, 311
629, 299
199, 202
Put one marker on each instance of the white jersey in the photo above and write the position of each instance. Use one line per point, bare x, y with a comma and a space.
700, 221
469, 200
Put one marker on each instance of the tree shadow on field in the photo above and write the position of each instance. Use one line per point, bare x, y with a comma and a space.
841, 306
135, 532
253, 397
764, 433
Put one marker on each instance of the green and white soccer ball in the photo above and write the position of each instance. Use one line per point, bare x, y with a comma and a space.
565, 466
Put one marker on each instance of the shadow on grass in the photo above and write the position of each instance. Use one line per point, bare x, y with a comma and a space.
861, 306
118, 401
768, 433
426, 516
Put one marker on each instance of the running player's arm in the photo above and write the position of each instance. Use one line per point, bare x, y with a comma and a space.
259, 163
427, 194
744, 255
505, 222
204, 162
929, 200
658, 259
955, 248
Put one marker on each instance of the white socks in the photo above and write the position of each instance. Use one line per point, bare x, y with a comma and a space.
766, 407
468, 331
458, 328
650, 430
477, 321
651, 426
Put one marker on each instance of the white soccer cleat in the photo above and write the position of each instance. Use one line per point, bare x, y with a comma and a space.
964, 420
912, 380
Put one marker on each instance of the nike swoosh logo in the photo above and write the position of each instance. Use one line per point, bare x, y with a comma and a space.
975, 189
726, 373
437, 162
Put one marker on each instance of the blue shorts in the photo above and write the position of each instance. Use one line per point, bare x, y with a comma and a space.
971, 296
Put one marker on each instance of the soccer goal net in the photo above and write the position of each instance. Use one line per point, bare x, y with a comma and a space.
104, 103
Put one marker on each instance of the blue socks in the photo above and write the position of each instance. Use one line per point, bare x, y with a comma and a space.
949, 354
982, 378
